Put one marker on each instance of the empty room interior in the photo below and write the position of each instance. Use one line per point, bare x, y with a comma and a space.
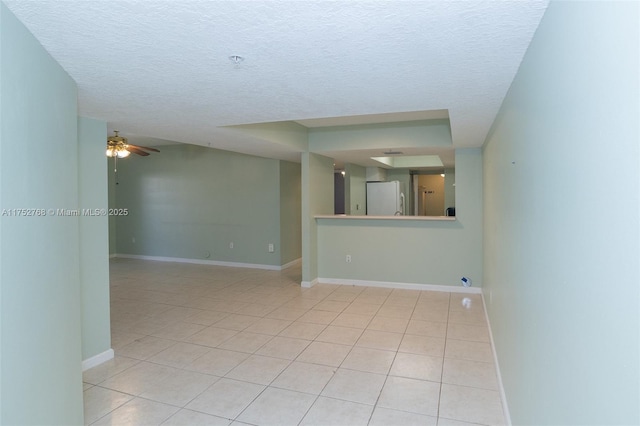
318, 212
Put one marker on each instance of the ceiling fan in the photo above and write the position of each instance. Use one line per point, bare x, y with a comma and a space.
118, 147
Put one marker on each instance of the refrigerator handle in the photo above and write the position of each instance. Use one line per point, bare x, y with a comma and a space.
402, 202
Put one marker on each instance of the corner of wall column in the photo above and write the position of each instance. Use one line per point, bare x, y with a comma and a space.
317, 199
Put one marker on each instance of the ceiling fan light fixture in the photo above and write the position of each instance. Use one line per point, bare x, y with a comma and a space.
118, 147
117, 150
123, 153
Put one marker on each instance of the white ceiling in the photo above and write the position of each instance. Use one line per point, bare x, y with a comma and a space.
161, 69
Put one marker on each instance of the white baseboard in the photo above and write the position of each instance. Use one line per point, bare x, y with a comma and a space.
203, 262
292, 263
309, 284
405, 286
97, 359
503, 396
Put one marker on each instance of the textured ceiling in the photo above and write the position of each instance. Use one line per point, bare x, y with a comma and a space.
161, 69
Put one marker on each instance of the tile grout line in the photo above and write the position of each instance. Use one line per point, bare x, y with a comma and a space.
446, 333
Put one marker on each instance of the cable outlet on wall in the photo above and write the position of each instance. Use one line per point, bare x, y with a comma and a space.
271, 249
231, 245
348, 258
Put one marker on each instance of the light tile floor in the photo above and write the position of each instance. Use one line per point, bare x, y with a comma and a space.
209, 345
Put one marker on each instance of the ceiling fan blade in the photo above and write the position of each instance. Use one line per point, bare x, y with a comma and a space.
145, 148
135, 150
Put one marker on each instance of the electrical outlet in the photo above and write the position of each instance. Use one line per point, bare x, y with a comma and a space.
133, 240
271, 249
348, 258
231, 245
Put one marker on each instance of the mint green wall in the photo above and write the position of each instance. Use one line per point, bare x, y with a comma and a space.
411, 252
355, 189
290, 212
40, 315
286, 133
383, 136
190, 202
94, 249
317, 199
561, 230
2, 9
111, 188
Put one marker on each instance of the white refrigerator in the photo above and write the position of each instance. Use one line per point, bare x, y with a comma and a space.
385, 199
